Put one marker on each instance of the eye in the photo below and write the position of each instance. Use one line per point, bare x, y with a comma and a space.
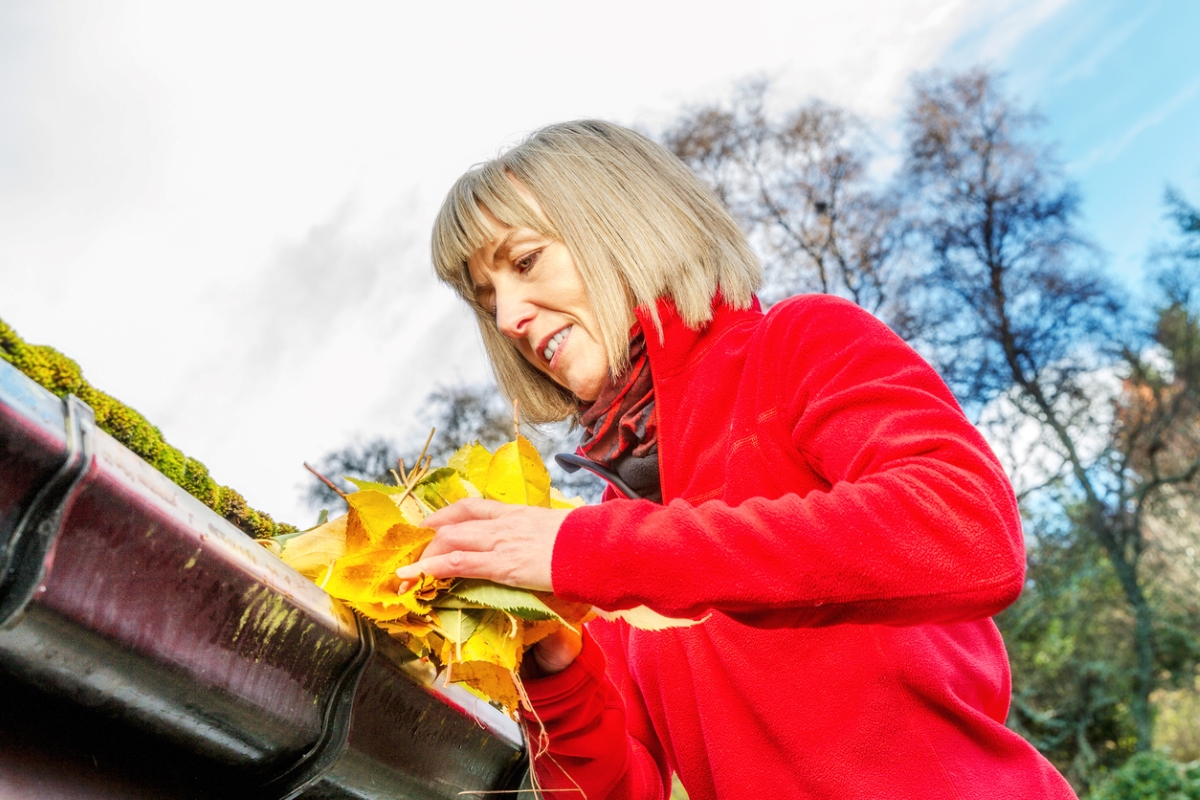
526, 262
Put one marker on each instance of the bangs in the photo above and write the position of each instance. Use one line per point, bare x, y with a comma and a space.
482, 197
639, 225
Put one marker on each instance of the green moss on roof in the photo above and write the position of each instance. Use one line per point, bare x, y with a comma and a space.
62, 376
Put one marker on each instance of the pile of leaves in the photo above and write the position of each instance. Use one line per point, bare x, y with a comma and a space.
476, 631
62, 376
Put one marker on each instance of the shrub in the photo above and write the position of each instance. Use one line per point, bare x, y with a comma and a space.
1150, 776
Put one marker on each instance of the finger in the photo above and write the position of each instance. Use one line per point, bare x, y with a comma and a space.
456, 564
465, 537
474, 535
468, 508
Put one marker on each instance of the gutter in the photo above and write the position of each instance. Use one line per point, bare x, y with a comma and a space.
201, 664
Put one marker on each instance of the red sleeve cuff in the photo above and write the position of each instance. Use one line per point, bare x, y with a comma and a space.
599, 554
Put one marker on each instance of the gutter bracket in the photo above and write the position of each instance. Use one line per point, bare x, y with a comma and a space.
23, 556
335, 731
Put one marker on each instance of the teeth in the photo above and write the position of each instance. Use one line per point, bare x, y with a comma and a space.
553, 344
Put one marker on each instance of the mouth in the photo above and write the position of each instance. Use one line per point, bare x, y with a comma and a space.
549, 348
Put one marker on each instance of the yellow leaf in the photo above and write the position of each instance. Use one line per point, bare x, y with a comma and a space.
355, 558
424, 591
558, 500
443, 487
369, 574
412, 624
410, 508
312, 553
364, 578
489, 681
406, 538
371, 515
379, 613
574, 614
535, 631
471, 461
496, 640
516, 474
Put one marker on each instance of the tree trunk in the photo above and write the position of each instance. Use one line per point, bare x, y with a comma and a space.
1144, 679
1143, 641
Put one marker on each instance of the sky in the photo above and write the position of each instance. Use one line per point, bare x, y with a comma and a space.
221, 210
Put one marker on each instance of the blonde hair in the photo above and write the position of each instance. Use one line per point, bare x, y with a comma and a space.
638, 223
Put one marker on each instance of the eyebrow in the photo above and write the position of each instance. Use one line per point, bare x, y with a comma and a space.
503, 247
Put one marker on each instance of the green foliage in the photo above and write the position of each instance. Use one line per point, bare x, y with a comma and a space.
1177, 723
1150, 776
1071, 668
62, 376
518, 602
373, 486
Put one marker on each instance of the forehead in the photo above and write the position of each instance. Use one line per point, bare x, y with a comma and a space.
481, 210
489, 206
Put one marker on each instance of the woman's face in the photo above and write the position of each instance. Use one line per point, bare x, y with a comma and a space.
534, 288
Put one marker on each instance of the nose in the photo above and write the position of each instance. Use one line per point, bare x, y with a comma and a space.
514, 314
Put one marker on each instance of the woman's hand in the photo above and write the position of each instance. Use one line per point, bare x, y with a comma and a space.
553, 654
509, 544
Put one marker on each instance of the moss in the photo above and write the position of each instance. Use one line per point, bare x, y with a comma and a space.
172, 463
62, 376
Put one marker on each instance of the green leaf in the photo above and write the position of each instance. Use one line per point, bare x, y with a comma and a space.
438, 475
450, 601
458, 624
518, 602
442, 487
374, 487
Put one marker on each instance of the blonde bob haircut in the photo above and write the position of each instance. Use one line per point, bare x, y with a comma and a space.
638, 223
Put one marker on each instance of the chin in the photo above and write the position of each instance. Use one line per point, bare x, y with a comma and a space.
587, 394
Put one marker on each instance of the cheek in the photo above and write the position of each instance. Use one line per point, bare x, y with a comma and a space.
594, 367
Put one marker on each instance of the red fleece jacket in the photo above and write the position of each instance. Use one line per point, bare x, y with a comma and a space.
851, 534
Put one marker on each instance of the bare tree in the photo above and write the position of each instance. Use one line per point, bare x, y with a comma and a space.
800, 187
1029, 325
460, 414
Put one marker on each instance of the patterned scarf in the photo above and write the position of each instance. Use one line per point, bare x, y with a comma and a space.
622, 419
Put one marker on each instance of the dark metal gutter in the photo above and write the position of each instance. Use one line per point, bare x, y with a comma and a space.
199, 662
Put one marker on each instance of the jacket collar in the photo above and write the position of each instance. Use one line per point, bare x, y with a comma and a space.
679, 345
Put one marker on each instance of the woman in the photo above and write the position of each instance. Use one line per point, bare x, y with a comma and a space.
823, 500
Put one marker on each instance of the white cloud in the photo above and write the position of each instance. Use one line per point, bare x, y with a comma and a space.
174, 179
1110, 149
1109, 42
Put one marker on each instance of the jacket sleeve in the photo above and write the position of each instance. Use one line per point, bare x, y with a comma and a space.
586, 734
915, 521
